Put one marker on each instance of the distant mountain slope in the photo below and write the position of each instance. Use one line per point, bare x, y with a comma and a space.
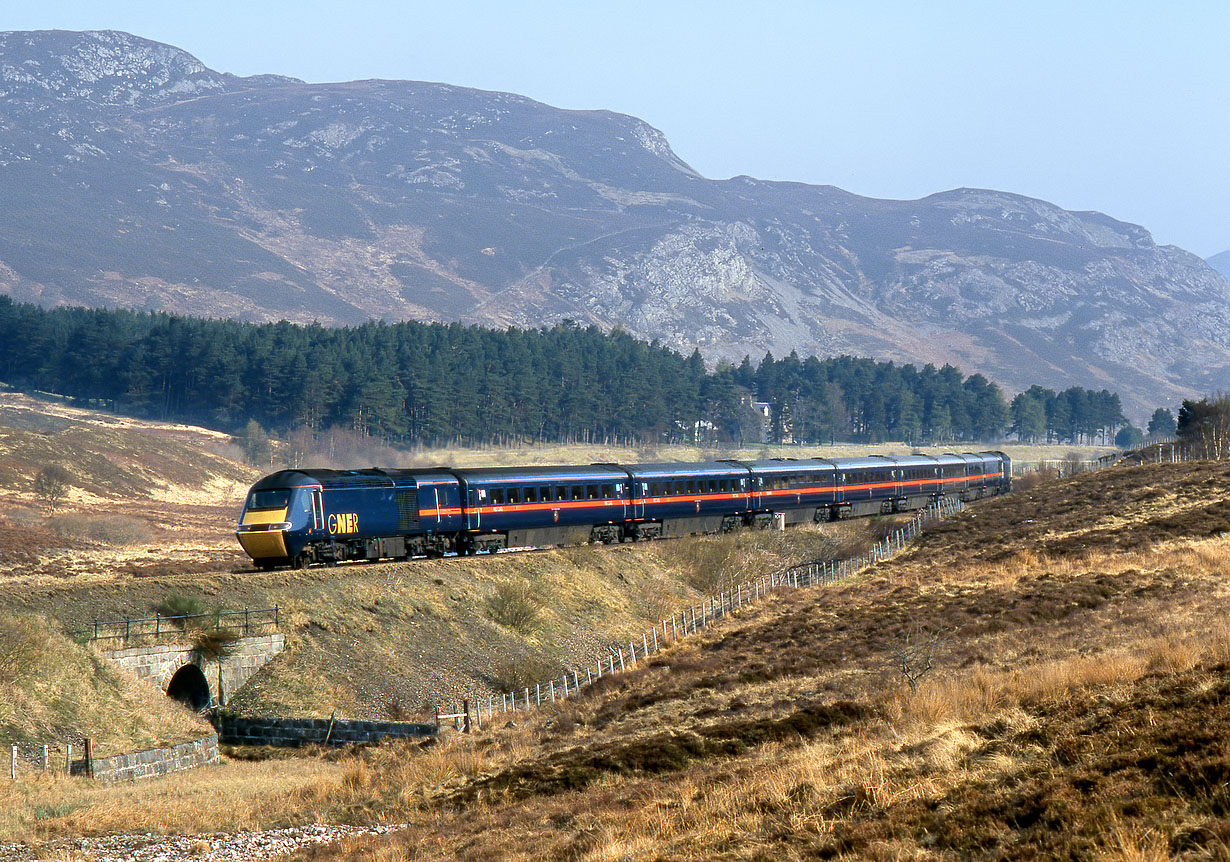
1220, 262
134, 176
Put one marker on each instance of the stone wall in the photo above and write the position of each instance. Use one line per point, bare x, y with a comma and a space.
302, 731
157, 761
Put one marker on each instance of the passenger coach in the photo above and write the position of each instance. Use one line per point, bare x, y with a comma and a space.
296, 517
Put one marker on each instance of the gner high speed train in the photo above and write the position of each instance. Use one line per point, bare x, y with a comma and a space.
297, 517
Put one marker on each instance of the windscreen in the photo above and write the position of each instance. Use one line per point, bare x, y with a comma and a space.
276, 499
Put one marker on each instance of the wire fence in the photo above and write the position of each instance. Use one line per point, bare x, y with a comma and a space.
1155, 450
692, 620
247, 622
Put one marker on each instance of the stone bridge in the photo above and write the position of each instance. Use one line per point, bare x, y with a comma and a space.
196, 680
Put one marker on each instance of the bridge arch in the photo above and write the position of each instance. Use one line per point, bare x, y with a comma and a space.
189, 686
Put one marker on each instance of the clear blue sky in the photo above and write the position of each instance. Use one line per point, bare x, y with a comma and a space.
1114, 106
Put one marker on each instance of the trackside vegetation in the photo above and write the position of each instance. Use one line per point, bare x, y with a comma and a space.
440, 384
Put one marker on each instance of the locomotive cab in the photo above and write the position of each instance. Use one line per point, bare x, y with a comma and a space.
275, 520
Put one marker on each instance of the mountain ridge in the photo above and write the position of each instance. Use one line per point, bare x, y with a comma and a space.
151, 181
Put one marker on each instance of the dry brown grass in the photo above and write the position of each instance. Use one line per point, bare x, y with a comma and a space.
62, 692
116, 530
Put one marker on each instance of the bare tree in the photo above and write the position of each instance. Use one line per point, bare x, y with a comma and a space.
51, 485
917, 652
1205, 425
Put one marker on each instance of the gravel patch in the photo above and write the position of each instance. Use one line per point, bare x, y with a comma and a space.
214, 847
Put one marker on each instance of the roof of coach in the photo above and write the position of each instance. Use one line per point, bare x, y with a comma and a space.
664, 469
557, 473
870, 462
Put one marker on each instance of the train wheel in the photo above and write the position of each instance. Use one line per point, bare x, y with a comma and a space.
299, 561
265, 565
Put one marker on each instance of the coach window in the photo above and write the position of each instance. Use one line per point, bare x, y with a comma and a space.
497, 496
547, 494
531, 495
679, 487
655, 489
608, 491
514, 496
578, 493
591, 492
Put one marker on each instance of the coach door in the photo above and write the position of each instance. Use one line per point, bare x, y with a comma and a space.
318, 511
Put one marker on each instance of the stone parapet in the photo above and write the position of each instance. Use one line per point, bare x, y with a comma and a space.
238, 730
157, 761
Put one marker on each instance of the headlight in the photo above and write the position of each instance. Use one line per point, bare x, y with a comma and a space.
250, 528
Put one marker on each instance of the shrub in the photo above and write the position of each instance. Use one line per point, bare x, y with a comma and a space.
22, 643
51, 485
1073, 463
515, 605
1028, 481
113, 530
180, 605
516, 673
216, 644
657, 602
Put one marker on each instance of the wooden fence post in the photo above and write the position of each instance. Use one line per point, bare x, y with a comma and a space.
89, 756
465, 708
551, 683
621, 659
68, 759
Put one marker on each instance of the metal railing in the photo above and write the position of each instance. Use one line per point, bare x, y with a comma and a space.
247, 621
